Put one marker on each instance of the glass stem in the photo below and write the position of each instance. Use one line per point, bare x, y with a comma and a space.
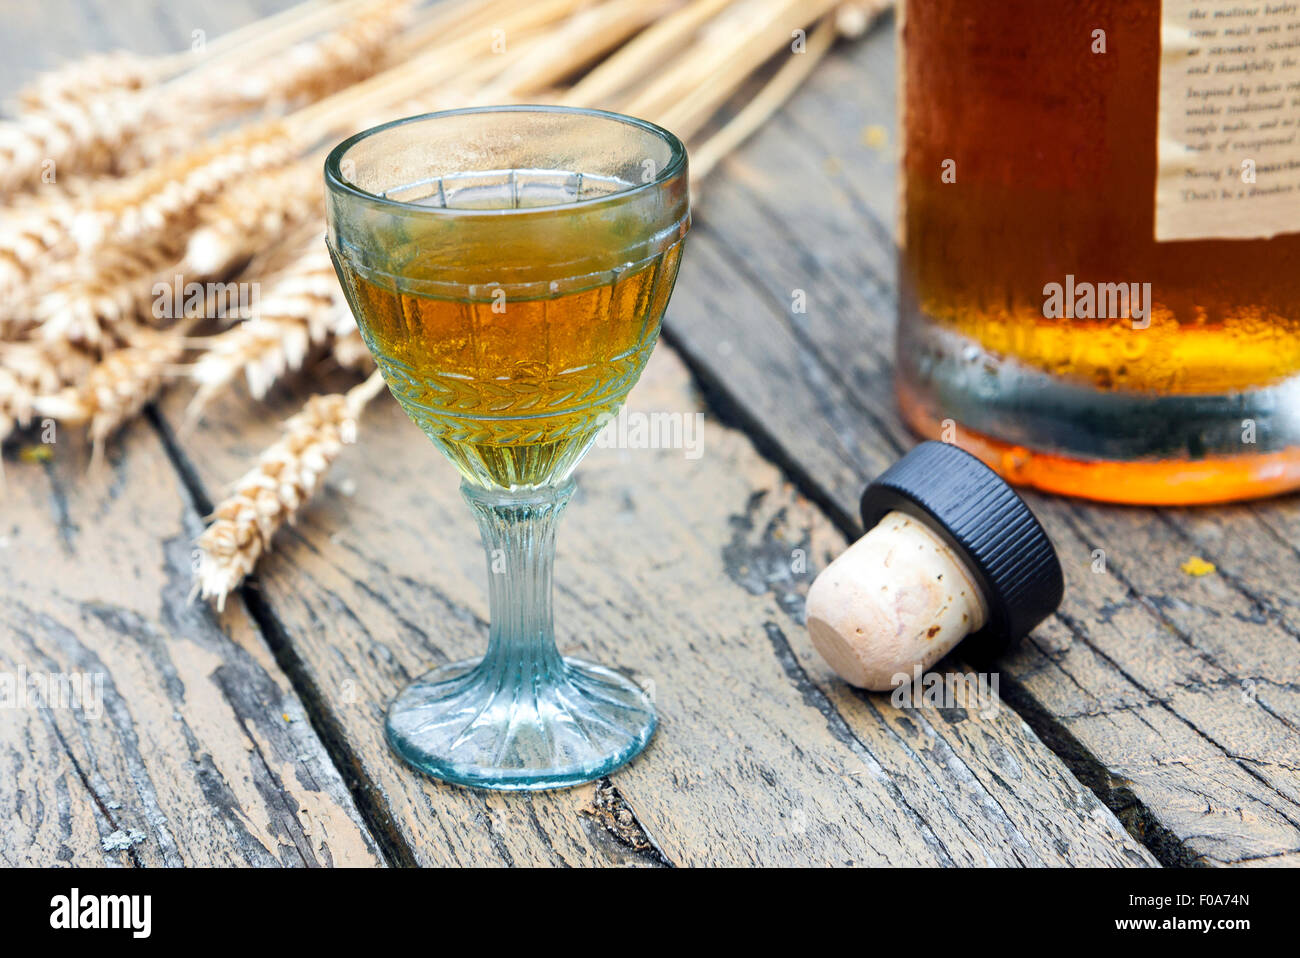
518, 530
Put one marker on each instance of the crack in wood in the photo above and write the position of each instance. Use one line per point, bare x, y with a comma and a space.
613, 814
816, 698
1147, 604
383, 830
1171, 850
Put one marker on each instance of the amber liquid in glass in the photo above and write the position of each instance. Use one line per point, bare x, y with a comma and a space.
513, 390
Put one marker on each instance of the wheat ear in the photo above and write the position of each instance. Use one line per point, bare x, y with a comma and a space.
118, 280
100, 296
31, 369
154, 206
347, 346
101, 73
166, 198
95, 130
299, 312
84, 80
730, 47
315, 68
35, 237
272, 492
117, 387
69, 135
252, 214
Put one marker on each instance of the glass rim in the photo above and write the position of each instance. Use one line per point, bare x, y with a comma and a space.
676, 164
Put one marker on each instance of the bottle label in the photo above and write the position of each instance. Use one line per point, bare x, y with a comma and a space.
1229, 120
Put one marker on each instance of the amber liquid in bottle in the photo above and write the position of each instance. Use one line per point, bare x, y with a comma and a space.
1053, 149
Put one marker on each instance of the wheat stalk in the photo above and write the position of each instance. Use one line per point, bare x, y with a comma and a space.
688, 114
729, 48
102, 73
460, 57
849, 19
272, 492
586, 35
262, 38
645, 52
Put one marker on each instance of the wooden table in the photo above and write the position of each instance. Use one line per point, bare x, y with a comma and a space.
1153, 720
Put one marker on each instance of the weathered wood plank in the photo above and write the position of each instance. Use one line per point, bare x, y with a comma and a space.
197, 750
1173, 697
679, 570
831, 774
190, 746
375, 584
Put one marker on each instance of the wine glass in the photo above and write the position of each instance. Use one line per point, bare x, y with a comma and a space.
508, 268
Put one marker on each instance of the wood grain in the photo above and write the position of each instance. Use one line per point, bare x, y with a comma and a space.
197, 751
681, 571
190, 747
1173, 697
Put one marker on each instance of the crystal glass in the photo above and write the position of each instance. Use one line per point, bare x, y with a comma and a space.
509, 268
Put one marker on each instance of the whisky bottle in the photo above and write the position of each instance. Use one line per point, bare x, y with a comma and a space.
1100, 242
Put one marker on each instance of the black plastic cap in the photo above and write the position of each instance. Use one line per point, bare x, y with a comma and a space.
982, 518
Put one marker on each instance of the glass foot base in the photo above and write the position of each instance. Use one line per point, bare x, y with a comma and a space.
470, 724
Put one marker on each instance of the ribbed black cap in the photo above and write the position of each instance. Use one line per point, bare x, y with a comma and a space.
983, 519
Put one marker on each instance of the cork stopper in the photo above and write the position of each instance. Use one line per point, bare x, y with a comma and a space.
950, 551
897, 597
